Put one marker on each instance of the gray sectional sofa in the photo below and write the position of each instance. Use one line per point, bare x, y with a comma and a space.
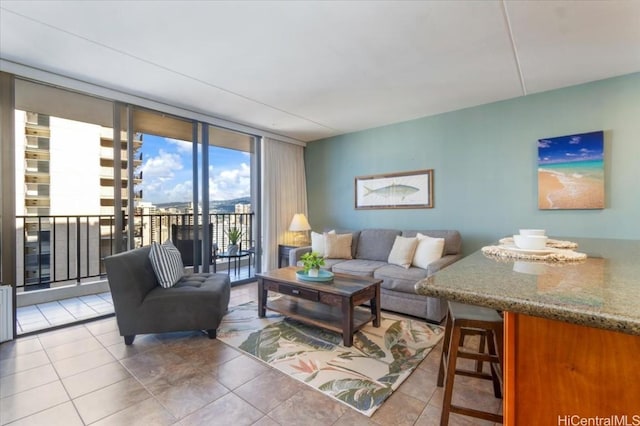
370, 250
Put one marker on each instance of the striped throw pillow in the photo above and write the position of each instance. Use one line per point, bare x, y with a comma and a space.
167, 263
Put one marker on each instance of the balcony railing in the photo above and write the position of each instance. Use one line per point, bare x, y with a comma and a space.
62, 250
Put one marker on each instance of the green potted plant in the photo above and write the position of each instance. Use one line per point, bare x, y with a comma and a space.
234, 234
311, 262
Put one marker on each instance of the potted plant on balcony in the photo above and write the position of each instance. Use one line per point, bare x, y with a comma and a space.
234, 234
311, 262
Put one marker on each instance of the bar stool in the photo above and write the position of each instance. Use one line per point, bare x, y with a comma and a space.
467, 320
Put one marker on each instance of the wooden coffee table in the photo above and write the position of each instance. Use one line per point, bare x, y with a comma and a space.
333, 305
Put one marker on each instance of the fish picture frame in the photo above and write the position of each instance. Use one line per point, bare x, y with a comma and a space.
405, 190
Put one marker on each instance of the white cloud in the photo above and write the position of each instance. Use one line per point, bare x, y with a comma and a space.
229, 184
182, 146
167, 178
164, 165
157, 172
180, 192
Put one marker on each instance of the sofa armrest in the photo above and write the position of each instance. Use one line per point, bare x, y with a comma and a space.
296, 253
443, 262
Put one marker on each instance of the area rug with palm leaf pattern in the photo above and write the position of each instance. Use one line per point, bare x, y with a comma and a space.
362, 376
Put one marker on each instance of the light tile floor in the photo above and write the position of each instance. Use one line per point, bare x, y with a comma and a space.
65, 311
84, 374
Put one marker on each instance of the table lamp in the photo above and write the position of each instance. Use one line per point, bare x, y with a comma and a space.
300, 225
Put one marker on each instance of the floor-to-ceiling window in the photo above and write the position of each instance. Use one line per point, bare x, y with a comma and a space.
64, 162
84, 191
231, 185
173, 197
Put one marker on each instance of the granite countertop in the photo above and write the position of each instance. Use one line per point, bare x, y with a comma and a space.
602, 291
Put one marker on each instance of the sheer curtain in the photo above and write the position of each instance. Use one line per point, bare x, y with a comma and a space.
284, 193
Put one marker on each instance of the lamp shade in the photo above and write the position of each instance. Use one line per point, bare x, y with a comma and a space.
299, 223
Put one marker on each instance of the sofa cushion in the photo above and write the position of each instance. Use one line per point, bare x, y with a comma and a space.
402, 251
358, 267
376, 244
186, 305
398, 278
337, 246
317, 242
330, 263
202, 279
452, 239
166, 262
355, 236
428, 250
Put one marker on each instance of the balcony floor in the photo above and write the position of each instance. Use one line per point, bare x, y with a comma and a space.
65, 311
43, 316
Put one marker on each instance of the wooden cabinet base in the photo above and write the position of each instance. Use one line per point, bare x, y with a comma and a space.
558, 373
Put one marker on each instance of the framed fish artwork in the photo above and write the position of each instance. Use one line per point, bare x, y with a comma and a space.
406, 190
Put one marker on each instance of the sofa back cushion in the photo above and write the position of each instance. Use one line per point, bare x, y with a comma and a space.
403, 251
376, 244
317, 242
355, 235
452, 239
429, 250
337, 246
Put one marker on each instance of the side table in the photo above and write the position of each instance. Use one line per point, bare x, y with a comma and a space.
283, 254
237, 260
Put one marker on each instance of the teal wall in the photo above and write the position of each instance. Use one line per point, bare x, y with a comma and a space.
485, 166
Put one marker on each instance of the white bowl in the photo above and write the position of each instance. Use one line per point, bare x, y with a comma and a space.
532, 232
530, 242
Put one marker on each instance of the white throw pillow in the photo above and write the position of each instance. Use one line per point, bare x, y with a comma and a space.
166, 263
429, 249
317, 242
402, 251
337, 246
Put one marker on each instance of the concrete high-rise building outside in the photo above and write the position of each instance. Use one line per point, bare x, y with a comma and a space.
243, 208
65, 168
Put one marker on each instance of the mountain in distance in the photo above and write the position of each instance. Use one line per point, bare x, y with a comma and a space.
215, 206
227, 206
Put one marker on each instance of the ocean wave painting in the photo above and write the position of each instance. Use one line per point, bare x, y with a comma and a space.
571, 172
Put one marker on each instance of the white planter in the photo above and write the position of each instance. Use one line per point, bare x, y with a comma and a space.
313, 272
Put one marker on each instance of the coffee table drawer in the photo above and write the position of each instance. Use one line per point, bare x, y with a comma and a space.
302, 293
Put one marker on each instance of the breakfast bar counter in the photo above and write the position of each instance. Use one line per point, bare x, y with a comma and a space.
572, 329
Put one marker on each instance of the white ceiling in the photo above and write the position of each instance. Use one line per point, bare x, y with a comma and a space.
309, 70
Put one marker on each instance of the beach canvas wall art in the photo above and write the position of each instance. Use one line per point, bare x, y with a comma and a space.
571, 172
406, 190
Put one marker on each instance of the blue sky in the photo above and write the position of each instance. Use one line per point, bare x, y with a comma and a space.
167, 171
571, 148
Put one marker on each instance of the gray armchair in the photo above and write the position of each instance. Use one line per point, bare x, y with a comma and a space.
196, 302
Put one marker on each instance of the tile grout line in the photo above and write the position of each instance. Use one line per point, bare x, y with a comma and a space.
59, 381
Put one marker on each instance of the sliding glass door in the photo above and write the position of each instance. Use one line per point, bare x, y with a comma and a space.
196, 185
85, 177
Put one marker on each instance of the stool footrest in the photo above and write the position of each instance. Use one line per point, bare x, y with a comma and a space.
477, 356
470, 373
476, 413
